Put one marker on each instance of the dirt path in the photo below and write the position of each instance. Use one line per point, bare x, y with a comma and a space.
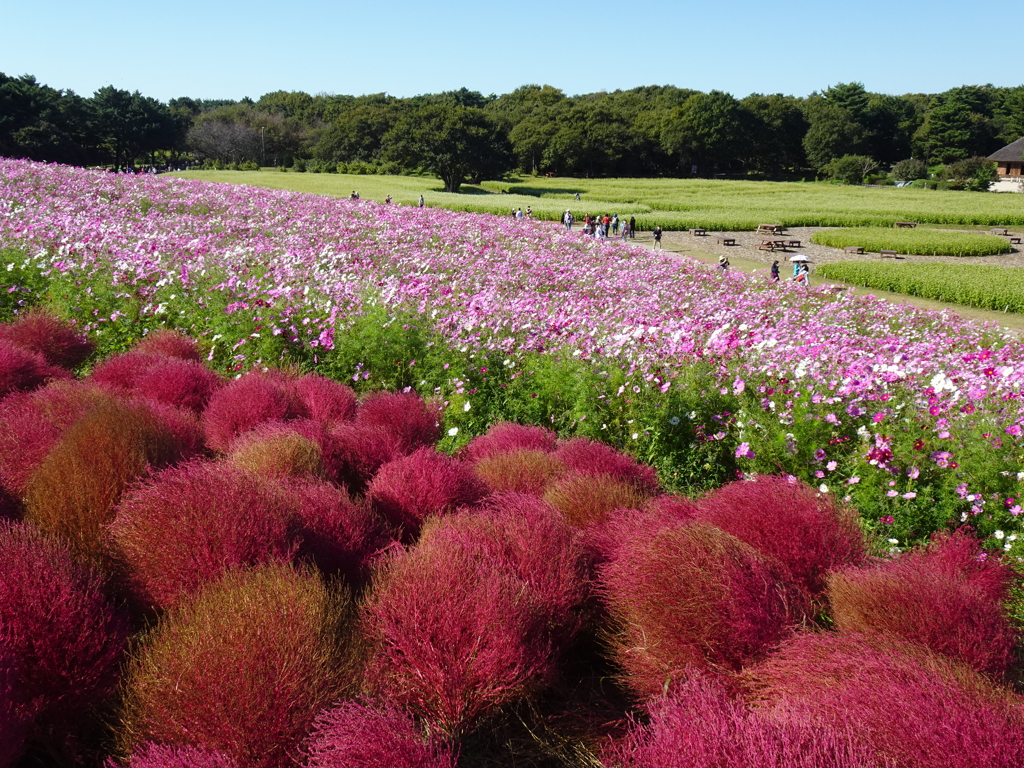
682, 243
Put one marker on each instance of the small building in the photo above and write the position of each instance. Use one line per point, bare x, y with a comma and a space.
1010, 160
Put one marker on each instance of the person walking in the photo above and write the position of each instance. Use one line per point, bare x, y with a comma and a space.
657, 238
723, 264
632, 227
775, 271
803, 276
615, 224
422, 203
567, 220
625, 230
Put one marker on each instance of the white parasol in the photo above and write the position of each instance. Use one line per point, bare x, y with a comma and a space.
799, 257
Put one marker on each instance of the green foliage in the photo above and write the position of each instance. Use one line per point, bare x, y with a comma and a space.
850, 169
928, 242
910, 170
988, 287
974, 173
22, 283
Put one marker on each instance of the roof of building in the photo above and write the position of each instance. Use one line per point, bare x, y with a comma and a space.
1012, 152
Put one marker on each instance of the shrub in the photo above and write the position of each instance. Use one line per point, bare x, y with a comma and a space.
167, 756
66, 638
973, 173
273, 449
520, 470
326, 401
589, 457
13, 721
947, 596
247, 402
188, 525
171, 380
22, 369
413, 421
456, 633
168, 343
338, 535
850, 169
73, 492
910, 170
242, 668
32, 422
55, 339
406, 491
353, 735
361, 450
912, 708
505, 437
691, 596
807, 533
697, 724
587, 499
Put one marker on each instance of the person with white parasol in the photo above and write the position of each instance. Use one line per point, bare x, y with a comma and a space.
801, 269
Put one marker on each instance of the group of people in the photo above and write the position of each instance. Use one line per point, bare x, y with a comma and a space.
517, 213
801, 272
602, 226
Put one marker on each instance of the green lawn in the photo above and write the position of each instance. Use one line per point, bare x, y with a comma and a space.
672, 203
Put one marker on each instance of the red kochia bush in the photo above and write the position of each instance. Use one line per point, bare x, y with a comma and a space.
242, 668
57, 625
74, 490
22, 369
181, 383
698, 725
519, 470
32, 422
408, 490
353, 735
167, 343
413, 421
277, 449
947, 596
506, 437
586, 500
165, 756
912, 708
327, 401
690, 596
57, 340
338, 535
807, 533
188, 525
246, 402
13, 720
464, 623
589, 457
360, 450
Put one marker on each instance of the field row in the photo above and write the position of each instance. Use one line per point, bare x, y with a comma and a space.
914, 241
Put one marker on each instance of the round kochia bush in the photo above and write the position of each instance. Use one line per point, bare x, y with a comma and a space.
59, 342
63, 636
925, 242
242, 668
949, 597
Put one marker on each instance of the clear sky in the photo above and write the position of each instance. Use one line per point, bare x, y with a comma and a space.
216, 49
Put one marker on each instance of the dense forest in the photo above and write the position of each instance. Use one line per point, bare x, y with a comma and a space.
463, 135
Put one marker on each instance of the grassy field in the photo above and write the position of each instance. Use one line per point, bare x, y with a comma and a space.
914, 241
988, 287
671, 203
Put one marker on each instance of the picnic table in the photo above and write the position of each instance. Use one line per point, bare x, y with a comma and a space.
726, 240
904, 224
772, 244
775, 229
854, 249
699, 231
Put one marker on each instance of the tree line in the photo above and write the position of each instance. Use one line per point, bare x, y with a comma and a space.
464, 135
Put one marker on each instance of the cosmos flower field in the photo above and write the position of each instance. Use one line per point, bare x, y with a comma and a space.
913, 417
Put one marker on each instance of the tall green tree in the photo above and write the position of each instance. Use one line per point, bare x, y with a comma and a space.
453, 142
710, 129
129, 125
831, 133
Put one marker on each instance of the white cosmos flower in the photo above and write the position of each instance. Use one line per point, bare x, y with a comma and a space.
466, 406
453, 432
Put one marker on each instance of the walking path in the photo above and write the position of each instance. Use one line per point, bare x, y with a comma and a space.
682, 243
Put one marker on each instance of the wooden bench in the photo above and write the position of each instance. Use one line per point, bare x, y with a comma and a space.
792, 243
885, 254
726, 240
1014, 239
854, 249
999, 231
904, 224
699, 231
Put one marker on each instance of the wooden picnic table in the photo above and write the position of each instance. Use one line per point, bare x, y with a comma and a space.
772, 228
854, 249
700, 231
772, 244
904, 224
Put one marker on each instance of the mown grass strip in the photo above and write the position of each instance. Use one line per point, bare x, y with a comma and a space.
989, 287
914, 241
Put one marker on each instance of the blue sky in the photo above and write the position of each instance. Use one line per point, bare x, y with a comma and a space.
215, 49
